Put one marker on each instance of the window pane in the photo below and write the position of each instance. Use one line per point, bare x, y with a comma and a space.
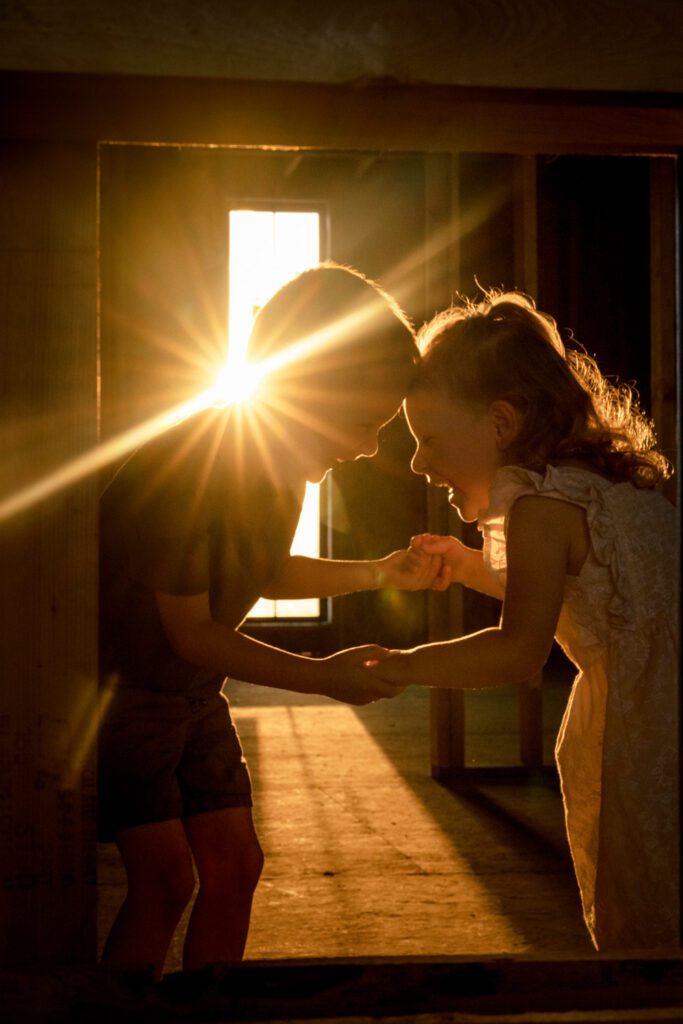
267, 248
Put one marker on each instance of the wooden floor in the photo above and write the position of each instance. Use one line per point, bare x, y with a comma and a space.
366, 855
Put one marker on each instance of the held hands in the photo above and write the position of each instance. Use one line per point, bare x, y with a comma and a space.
346, 677
393, 668
453, 552
413, 569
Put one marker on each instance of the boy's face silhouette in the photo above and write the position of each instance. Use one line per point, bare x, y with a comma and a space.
344, 429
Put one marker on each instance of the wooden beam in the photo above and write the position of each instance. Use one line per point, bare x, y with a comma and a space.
387, 117
663, 326
467, 989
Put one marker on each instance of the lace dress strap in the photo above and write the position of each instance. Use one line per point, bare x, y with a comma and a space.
632, 531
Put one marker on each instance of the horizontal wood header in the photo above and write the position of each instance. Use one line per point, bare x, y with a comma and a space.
376, 116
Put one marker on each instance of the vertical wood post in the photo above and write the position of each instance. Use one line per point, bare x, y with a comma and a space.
445, 611
525, 212
525, 205
665, 262
48, 692
663, 327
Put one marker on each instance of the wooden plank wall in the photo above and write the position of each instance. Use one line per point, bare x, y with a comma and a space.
48, 688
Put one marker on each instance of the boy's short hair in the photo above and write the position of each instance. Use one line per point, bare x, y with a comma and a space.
332, 327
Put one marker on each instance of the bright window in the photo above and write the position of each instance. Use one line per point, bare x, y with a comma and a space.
267, 248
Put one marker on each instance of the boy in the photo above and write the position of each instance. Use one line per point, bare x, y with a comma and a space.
194, 528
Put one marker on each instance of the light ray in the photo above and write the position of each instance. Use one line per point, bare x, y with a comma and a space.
410, 267
244, 379
100, 456
87, 721
238, 381
317, 341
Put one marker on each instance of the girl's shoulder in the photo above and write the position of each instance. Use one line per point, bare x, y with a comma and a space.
577, 483
571, 482
620, 503
633, 531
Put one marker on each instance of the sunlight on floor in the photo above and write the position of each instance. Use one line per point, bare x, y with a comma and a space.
366, 855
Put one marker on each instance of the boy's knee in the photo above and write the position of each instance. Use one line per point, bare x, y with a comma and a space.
239, 871
181, 887
171, 886
247, 866
254, 867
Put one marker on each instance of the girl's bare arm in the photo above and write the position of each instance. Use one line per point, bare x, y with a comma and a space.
538, 545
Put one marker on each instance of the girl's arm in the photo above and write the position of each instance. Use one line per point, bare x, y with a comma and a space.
466, 565
538, 544
325, 577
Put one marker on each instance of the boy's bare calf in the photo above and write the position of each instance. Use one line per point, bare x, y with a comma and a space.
158, 859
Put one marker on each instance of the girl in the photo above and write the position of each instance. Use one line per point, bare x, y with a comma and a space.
559, 469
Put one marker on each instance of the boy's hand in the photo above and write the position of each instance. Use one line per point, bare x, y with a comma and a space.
453, 552
346, 678
393, 669
412, 569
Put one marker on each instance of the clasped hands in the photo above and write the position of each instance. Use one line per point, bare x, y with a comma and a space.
369, 672
422, 566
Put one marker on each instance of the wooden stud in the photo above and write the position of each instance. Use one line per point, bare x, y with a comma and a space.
663, 355
525, 208
445, 613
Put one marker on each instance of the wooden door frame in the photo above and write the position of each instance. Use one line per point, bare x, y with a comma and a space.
43, 111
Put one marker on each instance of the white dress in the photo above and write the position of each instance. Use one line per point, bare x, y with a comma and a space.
617, 748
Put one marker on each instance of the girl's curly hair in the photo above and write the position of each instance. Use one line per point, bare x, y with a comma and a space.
504, 348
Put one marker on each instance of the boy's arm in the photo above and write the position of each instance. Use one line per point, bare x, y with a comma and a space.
538, 542
197, 638
299, 577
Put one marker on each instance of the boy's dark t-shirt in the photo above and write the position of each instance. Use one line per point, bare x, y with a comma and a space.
192, 511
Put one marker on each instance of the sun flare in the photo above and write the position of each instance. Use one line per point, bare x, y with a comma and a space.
237, 382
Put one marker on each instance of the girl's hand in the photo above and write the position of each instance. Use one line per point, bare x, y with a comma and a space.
394, 668
455, 555
411, 569
345, 677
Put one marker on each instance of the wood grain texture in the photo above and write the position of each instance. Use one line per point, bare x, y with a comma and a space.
665, 371
566, 44
375, 117
48, 554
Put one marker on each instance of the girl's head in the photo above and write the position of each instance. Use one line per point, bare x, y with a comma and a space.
341, 356
497, 387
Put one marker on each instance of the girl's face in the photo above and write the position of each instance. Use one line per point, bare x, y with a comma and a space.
458, 446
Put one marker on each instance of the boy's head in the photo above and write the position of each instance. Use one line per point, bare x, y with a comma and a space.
340, 355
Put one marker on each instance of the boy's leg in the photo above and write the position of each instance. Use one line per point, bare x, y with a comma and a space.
161, 880
229, 861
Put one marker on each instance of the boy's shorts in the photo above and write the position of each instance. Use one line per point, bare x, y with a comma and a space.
165, 756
